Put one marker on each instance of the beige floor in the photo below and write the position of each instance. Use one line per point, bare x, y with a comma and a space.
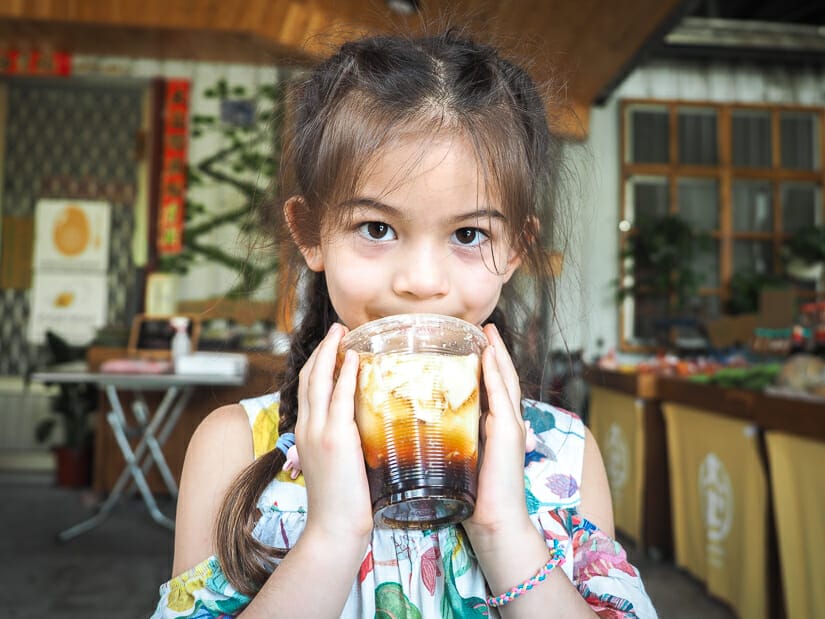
115, 570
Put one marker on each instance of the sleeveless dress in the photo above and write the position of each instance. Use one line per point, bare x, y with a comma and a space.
433, 573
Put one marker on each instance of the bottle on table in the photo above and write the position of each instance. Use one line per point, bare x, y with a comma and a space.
181, 344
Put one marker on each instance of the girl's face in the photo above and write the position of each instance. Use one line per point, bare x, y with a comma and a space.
423, 237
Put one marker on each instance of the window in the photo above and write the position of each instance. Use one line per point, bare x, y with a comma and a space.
747, 176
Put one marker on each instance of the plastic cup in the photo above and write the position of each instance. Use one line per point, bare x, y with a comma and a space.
417, 411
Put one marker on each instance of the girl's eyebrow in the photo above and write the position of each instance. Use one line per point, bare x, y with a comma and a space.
381, 206
371, 203
484, 213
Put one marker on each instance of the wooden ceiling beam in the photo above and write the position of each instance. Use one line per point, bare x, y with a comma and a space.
578, 47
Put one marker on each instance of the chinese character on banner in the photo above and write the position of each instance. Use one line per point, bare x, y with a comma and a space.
35, 62
173, 175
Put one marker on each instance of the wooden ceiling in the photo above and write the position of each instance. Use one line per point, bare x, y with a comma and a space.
581, 46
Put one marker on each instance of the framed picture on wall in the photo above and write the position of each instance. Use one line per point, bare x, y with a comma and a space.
72, 235
72, 305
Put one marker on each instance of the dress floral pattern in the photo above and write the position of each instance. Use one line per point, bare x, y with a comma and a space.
433, 573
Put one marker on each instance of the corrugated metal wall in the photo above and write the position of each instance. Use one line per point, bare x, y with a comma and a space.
728, 81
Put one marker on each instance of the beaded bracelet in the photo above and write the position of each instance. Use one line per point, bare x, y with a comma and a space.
556, 559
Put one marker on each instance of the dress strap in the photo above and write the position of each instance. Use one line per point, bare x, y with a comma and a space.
263, 415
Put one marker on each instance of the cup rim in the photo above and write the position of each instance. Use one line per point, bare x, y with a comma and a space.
379, 325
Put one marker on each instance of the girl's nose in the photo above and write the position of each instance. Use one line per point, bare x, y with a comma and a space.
421, 274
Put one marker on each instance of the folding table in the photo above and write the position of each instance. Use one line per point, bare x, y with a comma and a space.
151, 430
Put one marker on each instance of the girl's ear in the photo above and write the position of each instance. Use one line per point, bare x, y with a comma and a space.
294, 213
529, 235
513, 263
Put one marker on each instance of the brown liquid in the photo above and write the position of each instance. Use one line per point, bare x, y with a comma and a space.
403, 438
418, 419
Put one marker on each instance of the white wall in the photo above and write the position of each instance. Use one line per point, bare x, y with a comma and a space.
208, 279
587, 311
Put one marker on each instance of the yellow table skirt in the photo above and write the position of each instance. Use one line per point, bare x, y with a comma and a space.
719, 505
615, 419
797, 467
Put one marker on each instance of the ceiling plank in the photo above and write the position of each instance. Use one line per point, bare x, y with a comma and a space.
576, 47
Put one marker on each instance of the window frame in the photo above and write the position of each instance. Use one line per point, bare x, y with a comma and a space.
725, 173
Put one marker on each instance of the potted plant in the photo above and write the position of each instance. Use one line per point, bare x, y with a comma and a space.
660, 256
745, 289
663, 251
72, 409
805, 253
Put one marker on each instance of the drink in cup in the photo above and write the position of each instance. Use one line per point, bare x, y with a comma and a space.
417, 411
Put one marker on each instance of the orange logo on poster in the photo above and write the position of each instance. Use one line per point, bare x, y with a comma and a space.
71, 231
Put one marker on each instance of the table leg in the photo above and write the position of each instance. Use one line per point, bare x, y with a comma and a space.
106, 507
90, 523
155, 444
117, 421
132, 460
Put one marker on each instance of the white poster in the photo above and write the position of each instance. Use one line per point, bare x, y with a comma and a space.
73, 305
71, 258
71, 235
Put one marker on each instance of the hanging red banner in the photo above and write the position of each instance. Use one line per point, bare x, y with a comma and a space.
35, 62
173, 167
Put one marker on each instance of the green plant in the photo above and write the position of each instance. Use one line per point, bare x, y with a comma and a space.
75, 403
72, 409
247, 163
745, 288
663, 251
807, 245
755, 377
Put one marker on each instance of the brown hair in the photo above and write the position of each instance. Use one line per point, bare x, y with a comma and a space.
352, 106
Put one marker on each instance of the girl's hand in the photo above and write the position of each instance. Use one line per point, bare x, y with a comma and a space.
500, 506
329, 445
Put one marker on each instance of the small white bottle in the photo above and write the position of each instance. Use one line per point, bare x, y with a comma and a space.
181, 345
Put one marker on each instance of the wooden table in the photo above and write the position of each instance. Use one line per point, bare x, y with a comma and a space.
264, 375
141, 443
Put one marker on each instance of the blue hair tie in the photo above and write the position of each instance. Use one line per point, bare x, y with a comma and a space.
285, 441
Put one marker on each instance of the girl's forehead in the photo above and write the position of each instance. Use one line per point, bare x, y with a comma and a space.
416, 160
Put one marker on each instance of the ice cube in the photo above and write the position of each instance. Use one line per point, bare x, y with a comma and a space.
460, 376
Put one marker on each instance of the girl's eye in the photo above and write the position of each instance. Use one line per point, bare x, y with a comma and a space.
469, 236
377, 231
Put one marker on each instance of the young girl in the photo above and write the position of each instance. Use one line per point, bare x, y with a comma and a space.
420, 172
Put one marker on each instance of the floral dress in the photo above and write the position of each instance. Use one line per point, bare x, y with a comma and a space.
433, 573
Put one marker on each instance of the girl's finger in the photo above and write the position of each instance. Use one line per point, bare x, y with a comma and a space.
320, 385
504, 362
498, 397
303, 392
310, 415
342, 406
511, 379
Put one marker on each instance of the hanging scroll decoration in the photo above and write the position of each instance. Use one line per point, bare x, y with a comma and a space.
35, 62
173, 171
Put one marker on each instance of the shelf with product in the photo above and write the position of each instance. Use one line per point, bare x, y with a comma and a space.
740, 445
